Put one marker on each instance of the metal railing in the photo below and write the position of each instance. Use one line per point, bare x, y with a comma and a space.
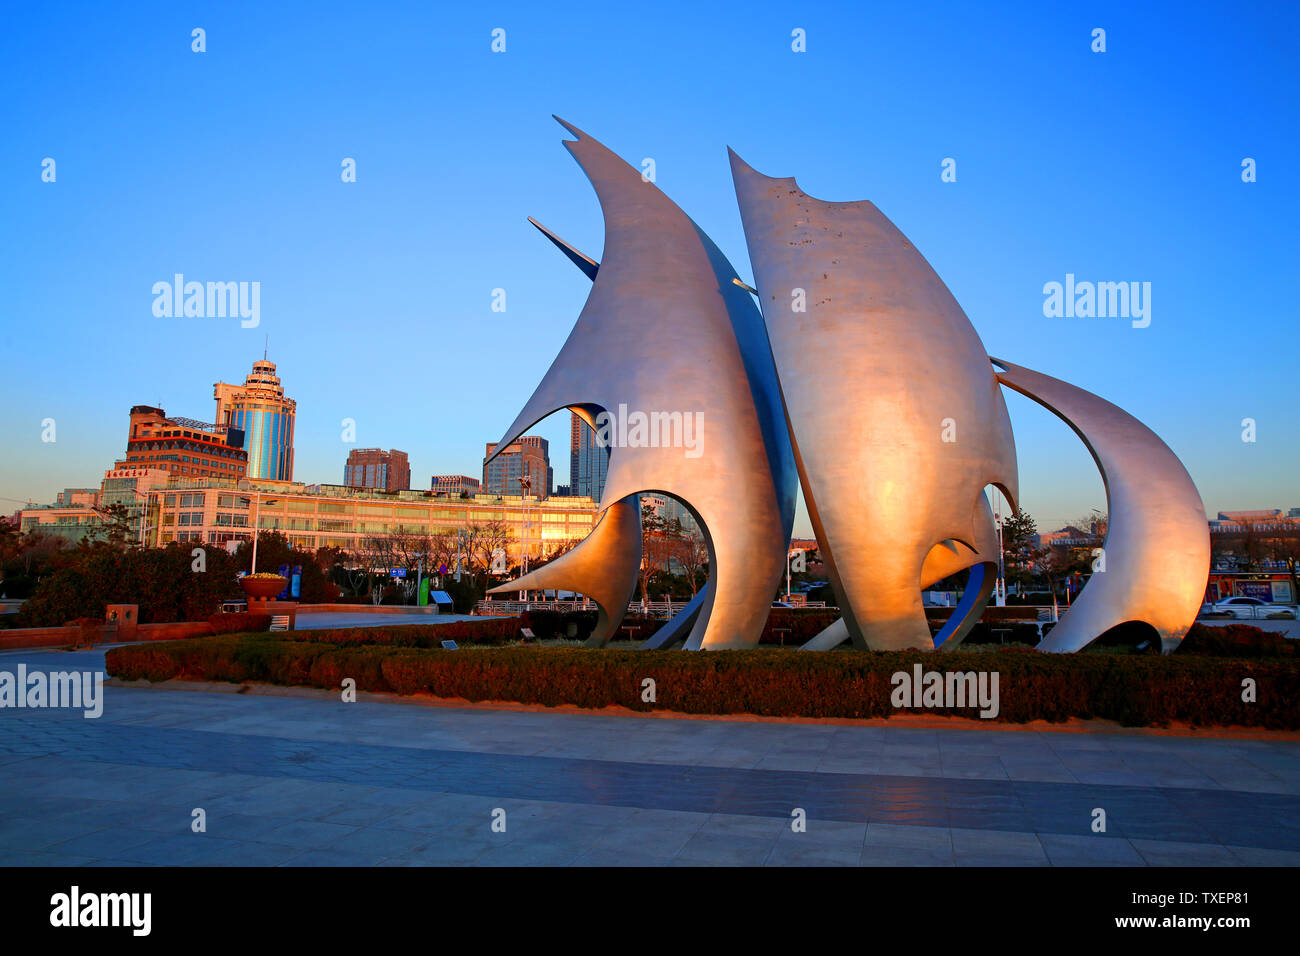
656, 609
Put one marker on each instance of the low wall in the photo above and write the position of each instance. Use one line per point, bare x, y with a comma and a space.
25, 637
365, 609
992, 613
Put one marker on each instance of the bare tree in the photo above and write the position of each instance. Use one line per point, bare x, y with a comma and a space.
693, 555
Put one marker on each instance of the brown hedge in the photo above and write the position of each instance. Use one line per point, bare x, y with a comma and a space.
240, 622
1132, 690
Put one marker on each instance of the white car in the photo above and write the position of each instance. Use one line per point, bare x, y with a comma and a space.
1249, 607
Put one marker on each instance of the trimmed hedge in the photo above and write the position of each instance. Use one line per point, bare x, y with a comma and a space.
241, 622
488, 631
1236, 640
1132, 690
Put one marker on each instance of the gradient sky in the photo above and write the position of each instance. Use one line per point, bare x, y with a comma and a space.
376, 295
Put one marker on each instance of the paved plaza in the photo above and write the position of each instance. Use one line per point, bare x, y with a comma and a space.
303, 780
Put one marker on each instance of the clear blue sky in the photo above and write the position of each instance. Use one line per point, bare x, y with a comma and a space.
376, 295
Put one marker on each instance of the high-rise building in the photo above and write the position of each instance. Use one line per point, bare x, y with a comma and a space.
259, 409
588, 462
376, 468
181, 446
528, 455
453, 486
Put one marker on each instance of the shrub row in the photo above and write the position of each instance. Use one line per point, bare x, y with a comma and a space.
1132, 690
488, 631
1236, 640
239, 623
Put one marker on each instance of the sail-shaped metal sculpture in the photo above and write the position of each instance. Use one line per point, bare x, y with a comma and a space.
666, 332
863, 377
896, 419
603, 566
1156, 557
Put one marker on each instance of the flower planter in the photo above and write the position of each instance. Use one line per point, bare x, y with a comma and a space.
262, 589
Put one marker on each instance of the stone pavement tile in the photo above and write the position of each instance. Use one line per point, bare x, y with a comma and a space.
655, 841
323, 857
306, 833
803, 761
848, 764
20, 807
556, 833
243, 826
1093, 850
736, 824
107, 843
441, 852
1001, 859
378, 844
792, 852
1047, 771
526, 854
122, 863
909, 837
594, 814
476, 828
875, 855
181, 849
1173, 853
725, 850
374, 808
837, 832
303, 806
1257, 856
34, 834
436, 812
133, 784
252, 854
42, 858
687, 820
607, 856
966, 841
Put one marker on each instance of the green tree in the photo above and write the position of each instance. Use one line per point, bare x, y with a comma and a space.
168, 584
1019, 549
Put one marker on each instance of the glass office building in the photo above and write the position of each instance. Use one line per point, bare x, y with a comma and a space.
260, 410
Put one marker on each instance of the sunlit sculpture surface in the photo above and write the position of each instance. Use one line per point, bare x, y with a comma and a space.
864, 378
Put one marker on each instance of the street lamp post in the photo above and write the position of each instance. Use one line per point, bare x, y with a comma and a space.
257, 511
1001, 587
525, 486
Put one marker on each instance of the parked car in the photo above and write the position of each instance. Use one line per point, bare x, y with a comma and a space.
1249, 607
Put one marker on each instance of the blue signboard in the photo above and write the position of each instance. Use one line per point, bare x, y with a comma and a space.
293, 588
398, 572
1256, 589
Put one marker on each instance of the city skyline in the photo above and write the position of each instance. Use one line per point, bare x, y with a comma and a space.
397, 271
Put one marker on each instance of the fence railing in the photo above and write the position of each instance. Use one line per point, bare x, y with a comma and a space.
656, 609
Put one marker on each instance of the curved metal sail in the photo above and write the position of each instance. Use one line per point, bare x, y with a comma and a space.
666, 334
895, 416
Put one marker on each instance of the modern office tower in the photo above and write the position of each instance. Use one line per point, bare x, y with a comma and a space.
529, 455
376, 468
588, 462
181, 446
453, 486
259, 409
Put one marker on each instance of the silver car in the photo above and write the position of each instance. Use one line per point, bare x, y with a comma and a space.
1249, 607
